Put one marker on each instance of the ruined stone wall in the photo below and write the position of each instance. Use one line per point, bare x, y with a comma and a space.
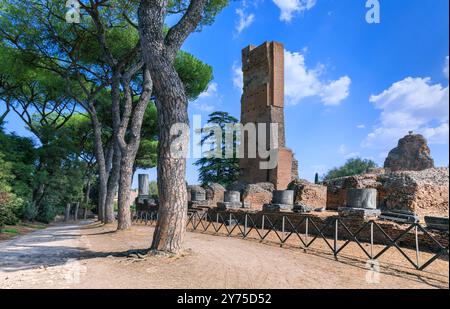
337, 189
254, 195
309, 194
423, 193
263, 102
214, 194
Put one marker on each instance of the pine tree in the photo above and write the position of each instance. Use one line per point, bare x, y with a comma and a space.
316, 179
213, 169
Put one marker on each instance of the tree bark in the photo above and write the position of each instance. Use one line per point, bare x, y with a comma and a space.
173, 203
77, 207
172, 110
113, 181
67, 213
114, 174
159, 51
126, 168
86, 198
100, 157
129, 150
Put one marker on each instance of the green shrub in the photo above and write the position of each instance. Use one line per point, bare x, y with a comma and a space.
354, 166
9, 231
47, 214
29, 212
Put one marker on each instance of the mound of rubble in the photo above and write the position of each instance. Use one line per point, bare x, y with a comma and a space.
411, 154
309, 194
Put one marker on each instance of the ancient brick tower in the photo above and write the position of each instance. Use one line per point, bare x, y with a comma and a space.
263, 102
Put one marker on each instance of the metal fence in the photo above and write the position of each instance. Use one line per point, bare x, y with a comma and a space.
308, 231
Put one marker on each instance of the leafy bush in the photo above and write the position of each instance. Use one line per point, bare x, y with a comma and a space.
9, 202
355, 166
29, 212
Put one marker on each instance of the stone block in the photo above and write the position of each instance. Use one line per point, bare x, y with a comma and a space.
362, 198
197, 193
256, 195
424, 193
283, 197
337, 189
299, 208
214, 193
229, 205
437, 223
306, 193
278, 208
359, 213
232, 196
400, 217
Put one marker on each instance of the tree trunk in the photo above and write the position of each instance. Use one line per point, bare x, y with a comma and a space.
129, 150
113, 181
86, 198
172, 215
100, 157
67, 212
126, 169
77, 207
173, 203
159, 51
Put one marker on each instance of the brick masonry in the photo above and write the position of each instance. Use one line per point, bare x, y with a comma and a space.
263, 102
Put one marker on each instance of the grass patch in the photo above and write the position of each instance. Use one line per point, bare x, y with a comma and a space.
39, 226
9, 231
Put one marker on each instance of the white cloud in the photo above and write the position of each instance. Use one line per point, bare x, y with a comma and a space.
207, 100
302, 82
212, 91
413, 104
203, 107
290, 7
245, 20
361, 126
446, 67
238, 76
336, 91
342, 150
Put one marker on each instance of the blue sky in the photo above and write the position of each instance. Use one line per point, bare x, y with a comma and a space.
352, 88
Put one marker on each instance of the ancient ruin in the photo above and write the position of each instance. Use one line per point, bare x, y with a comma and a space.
308, 196
423, 193
411, 154
361, 203
283, 200
263, 102
408, 189
256, 195
232, 200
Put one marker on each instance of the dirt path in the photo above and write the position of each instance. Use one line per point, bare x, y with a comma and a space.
93, 256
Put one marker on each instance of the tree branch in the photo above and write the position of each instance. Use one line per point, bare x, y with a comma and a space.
8, 109
185, 26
